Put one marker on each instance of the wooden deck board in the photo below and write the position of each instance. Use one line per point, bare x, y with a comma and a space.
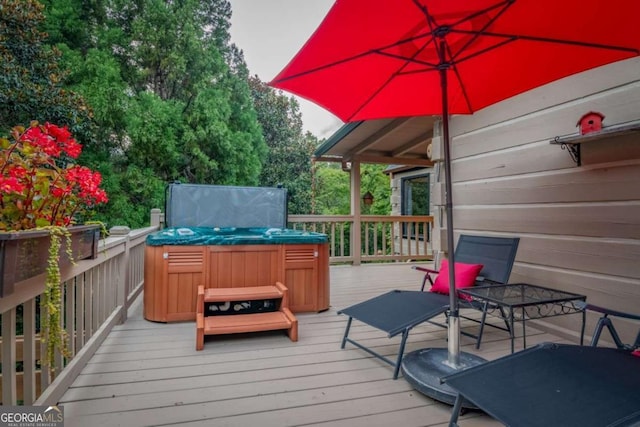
148, 373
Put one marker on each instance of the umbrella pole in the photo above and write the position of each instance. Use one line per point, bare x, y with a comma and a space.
454, 318
424, 368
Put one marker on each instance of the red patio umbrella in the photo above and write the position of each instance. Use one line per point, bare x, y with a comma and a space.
372, 59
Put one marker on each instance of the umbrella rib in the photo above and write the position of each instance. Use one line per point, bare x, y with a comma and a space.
454, 58
378, 50
554, 41
391, 77
485, 50
451, 64
504, 5
408, 59
430, 22
475, 36
462, 88
323, 67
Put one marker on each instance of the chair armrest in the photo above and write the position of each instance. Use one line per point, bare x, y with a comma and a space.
606, 311
427, 276
604, 321
426, 270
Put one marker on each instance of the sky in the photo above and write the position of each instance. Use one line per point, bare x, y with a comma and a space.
270, 33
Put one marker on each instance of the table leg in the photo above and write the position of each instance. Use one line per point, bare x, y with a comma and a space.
524, 334
485, 307
584, 322
512, 329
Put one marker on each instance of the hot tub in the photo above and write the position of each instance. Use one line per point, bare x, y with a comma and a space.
232, 236
179, 259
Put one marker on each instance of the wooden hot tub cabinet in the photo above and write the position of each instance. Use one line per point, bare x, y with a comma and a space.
173, 273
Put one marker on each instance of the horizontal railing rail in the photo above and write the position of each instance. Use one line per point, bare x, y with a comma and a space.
96, 295
382, 238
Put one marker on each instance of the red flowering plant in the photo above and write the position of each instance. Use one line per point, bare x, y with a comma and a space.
41, 188
37, 185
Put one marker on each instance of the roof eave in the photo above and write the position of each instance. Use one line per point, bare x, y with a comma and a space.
334, 139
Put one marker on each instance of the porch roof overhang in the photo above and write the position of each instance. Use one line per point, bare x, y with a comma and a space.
401, 140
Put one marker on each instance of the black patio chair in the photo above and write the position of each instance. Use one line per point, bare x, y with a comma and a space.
605, 322
399, 311
553, 385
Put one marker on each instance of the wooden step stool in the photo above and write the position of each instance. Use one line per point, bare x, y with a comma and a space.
238, 323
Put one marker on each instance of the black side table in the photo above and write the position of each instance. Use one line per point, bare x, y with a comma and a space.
522, 301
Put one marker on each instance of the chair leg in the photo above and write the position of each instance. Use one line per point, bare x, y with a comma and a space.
597, 332
346, 332
615, 336
396, 371
455, 412
602, 323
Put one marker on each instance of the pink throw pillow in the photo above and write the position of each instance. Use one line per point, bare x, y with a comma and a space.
465, 276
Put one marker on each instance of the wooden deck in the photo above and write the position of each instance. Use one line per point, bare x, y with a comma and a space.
148, 373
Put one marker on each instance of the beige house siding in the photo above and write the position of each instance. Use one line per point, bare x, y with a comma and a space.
579, 226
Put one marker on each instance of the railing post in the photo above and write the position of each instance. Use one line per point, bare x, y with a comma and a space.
123, 270
157, 219
9, 387
29, 354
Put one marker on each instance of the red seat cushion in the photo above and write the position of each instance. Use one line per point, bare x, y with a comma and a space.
465, 276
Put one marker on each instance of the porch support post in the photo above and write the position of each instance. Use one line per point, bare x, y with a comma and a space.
439, 231
356, 241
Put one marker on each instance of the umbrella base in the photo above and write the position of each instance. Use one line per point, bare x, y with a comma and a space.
424, 368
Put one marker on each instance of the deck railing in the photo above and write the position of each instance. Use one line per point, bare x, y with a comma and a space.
96, 295
98, 292
380, 238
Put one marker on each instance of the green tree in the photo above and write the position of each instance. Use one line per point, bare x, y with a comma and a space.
333, 189
169, 95
374, 180
207, 131
171, 99
289, 159
32, 86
